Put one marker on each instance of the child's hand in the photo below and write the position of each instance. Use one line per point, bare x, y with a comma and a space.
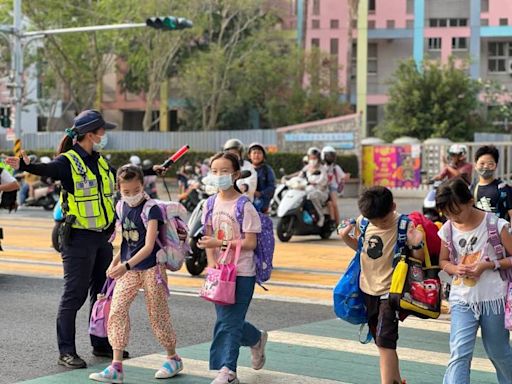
208, 242
345, 227
117, 271
461, 269
476, 269
414, 236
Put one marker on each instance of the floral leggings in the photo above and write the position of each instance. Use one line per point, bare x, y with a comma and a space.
156, 303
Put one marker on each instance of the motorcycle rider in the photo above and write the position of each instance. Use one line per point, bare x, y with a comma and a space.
135, 160
457, 164
335, 179
316, 176
247, 185
266, 177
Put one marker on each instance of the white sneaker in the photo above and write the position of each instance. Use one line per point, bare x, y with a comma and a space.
258, 352
226, 376
170, 368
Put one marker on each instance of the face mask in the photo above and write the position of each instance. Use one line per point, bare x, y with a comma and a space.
223, 182
133, 201
97, 146
313, 163
485, 173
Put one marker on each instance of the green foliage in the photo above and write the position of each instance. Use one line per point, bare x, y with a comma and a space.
441, 100
290, 162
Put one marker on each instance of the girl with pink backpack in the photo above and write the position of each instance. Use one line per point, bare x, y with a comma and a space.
225, 235
135, 267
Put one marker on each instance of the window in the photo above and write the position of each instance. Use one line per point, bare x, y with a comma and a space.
315, 24
497, 57
433, 23
503, 21
335, 24
443, 22
484, 6
371, 6
353, 23
410, 7
334, 47
315, 43
372, 59
484, 22
434, 43
372, 117
453, 22
353, 62
460, 43
390, 24
463, 22
409, 24
316, 7
371, 24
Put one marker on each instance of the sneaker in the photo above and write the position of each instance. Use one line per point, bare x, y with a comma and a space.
258, 352
226, 376
170, 368
108, 375
72, 360
107, 352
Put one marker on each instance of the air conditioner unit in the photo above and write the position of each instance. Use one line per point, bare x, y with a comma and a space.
509, 66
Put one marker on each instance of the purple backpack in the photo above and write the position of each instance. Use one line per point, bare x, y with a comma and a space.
98, 323
493, 239
264, 251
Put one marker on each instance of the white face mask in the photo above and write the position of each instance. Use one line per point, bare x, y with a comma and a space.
98, 146
223, 182
313, 163
133, 201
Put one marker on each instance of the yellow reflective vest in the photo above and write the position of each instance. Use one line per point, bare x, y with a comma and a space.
92, 203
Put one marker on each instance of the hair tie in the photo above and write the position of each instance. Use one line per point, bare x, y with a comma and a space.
71, 132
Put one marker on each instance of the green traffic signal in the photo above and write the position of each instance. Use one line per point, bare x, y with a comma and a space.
168, 23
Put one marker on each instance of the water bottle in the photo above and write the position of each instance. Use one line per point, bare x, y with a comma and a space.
307, 218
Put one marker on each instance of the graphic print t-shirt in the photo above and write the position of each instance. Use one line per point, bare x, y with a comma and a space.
487, 198
226, 227
134, 234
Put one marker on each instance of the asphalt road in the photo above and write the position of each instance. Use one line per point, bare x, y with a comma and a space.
28, 310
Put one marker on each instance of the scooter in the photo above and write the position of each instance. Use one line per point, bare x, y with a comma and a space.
58, 217
297, 216
45, 196
429, 208
280, 191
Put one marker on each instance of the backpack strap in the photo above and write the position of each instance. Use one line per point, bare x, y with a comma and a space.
363, 226
401, 238
210, 203
449, 242
119, 210
493, 235
428, 262
239, 211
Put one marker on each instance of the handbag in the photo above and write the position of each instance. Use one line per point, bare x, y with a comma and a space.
416, 289
98, 323
508, 307
220, 284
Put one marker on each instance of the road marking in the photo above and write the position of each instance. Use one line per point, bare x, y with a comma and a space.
354, 346
245, 374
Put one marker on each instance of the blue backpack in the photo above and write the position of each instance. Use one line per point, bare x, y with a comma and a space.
349, 304
264, 251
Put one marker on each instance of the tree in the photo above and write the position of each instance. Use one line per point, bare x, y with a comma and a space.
440, 100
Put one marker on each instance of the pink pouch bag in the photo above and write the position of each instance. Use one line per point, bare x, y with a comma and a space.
220, 284
508, 308
100, 310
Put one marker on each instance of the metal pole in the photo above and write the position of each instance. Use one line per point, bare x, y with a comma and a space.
17, 67
91, 28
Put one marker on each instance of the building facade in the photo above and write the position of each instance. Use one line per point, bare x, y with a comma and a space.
394, 30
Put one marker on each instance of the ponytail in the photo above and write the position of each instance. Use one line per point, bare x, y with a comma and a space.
66, 143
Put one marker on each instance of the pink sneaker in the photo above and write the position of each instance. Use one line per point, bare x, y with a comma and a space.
258, 352
226, 376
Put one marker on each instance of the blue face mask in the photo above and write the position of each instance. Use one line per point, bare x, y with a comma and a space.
223, 182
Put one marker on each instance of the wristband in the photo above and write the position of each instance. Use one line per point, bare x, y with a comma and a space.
417, 247
497, 265
127, 266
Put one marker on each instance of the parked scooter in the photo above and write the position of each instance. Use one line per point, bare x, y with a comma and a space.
429, 204
281, 189
45, 196
297, 216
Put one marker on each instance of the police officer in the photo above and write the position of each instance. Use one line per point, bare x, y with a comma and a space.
88, 187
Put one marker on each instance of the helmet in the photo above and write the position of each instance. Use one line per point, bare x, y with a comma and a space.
328, 154
135, 160
458, 149
45, 160
147, 164
33, 158
234, 144
314, 151
189, 169
257, 146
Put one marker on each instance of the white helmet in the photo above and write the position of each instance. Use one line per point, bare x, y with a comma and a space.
328, 154
135, 160
458, 149
45, 160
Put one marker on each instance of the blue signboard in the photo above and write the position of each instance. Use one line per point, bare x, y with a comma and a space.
341, 136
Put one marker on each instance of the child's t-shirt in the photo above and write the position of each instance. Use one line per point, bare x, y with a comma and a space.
377, 258
225, 227
487, 293
134, 234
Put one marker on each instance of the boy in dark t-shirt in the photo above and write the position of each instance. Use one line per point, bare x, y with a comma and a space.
491, 194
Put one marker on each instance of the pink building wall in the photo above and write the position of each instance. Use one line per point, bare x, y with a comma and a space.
498, 9
390, 10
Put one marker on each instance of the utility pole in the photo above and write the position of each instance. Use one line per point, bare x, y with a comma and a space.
18, 40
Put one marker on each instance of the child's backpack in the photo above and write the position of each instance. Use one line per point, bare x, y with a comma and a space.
493, 239
431, 239
349, 304
264, 251
172, 234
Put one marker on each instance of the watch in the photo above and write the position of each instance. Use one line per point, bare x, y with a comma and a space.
127, 266
497, 265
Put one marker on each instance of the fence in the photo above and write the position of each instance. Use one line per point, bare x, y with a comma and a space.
129, 140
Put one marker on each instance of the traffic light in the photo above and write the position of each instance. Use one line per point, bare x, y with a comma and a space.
5, 120
168, 23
